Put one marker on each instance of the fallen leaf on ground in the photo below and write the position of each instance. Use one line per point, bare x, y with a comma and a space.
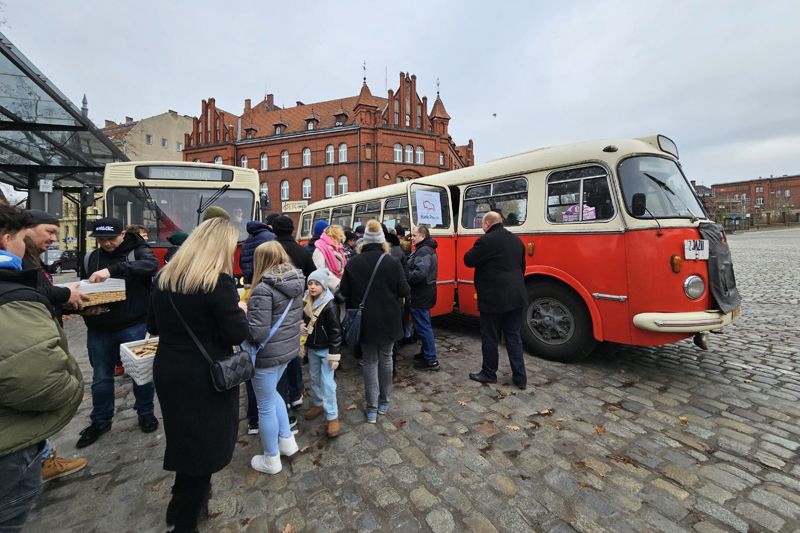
244, 521
683, 420
748, 381
599, 429
513, 427
243, 443
580, 465
534, 425
586, 485
400, 423
524, 477
304, 449
546, 412
462, 403
623, 459
352, 406
288, 528
507, 416
315, 461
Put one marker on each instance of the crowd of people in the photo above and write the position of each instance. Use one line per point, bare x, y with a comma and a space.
295, 298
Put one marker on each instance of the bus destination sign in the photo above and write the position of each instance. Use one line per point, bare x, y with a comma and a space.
182, 173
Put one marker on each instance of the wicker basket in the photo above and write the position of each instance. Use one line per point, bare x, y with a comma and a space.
138, 366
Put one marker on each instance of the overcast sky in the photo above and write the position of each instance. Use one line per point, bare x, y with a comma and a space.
720, 78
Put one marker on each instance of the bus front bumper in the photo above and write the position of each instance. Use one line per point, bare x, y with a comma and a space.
684, 322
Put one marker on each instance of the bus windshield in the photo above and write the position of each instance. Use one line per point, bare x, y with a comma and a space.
667, 193
166, 210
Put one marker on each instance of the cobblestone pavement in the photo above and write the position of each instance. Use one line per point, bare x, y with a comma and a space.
635, 439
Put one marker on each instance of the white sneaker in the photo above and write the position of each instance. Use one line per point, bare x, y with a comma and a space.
297, 403
287, 446
269, 464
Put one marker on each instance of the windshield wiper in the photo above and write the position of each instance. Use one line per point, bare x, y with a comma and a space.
208, 203
160, 215
666, 187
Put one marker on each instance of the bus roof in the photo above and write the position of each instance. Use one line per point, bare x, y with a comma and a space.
532, 160
122, 172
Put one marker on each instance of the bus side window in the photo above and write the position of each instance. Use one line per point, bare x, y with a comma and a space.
508, 197
305, 231
579, 195
342, 216
395, 213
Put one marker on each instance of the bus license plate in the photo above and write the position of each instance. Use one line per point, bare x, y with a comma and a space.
696, 249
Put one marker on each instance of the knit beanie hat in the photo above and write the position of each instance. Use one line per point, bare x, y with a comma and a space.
371, 237
320, 276
319, 227
282, 225
42, 217
215, 211
177, 238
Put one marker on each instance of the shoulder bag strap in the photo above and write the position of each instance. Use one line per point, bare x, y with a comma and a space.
372, 277
189, 330
276, 325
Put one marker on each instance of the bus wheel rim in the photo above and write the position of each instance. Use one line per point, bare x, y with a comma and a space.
551, 321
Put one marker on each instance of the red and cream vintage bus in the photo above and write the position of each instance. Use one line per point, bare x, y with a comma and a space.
619, 248
170, 196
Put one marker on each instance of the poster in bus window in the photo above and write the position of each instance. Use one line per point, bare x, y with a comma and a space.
429, 208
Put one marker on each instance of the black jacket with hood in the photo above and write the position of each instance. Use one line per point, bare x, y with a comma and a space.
138, 275
423, 268
258, 234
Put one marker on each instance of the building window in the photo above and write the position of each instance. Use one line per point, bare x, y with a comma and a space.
759, 189
329, 154
398, 153
310, 125
195, 160
285, 159
441, 159
787, 193
328, 186
420, 155
409, 153
148, 138
164, 142
408, 120
264, 161
343, 153
218, 160
244, 161
284, 190
306, 157
342, 185
735, 197
178, 147
307, 188
264, 188
277, 130
760, 200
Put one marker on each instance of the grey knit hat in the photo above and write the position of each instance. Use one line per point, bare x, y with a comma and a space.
320, 276
376, 237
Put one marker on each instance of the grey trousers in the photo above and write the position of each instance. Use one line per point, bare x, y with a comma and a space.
377, 373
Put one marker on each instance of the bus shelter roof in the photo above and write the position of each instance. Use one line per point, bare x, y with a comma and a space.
42, 134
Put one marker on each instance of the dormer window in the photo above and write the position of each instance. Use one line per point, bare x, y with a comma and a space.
277, 130
310, 125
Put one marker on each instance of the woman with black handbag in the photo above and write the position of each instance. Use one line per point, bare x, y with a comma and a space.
274, 315
197, 291
376, 279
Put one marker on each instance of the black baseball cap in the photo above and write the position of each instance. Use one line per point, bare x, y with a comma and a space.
107, 227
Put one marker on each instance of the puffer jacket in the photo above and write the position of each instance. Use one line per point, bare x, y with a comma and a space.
41, 385
327, 332
258, 234
265, 306
423, 268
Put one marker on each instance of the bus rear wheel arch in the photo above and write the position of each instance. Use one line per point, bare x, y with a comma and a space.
557, 325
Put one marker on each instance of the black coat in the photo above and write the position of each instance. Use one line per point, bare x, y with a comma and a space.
258, 234
200, 423
300, 256
57, 296
327, 330
138, 275
381, 319
498, 258
423, 268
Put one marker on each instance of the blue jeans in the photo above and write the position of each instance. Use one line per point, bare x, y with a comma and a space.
377, 371
422, 323
103, 349
323, 387
20, 481
510, 324
273, 419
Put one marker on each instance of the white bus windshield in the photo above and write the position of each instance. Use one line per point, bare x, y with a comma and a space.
666, 192
166, 210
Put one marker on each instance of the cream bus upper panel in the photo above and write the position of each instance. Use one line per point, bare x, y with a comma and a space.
123, 173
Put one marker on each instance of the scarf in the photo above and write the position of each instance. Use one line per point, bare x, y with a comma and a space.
332, 252
313, 308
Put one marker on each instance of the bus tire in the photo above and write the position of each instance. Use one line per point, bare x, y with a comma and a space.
557, 325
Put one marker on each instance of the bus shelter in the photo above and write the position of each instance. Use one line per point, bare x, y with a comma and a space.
48, 147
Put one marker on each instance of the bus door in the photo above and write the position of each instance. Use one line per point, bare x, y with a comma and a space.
508, 197
431, 205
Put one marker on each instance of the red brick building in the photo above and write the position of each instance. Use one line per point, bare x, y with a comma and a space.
313, 151
764, 200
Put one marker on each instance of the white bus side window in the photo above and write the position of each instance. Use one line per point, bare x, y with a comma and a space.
507, 197
305, 230
395, 213
579, 195
342, 216
366, 211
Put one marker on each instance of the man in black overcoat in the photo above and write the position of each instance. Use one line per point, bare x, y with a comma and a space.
498, 258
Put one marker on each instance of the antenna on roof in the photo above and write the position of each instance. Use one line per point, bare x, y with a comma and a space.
364, 70
437, 86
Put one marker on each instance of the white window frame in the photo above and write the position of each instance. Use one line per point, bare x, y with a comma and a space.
178, 146
341, 185
329, 154
420, 155
306, 157
409, 153
441, 159
306, 188
277, 130
264, 161
218, 160
759, 200
329, 187
244, 161
284, 190
398, 153
285, 159
343, 153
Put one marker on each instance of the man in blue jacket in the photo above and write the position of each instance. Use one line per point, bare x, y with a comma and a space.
127, 256
423, 268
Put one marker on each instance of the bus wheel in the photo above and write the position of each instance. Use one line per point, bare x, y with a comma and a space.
557, 324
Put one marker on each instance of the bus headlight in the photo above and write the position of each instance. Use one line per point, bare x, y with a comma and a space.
694, 287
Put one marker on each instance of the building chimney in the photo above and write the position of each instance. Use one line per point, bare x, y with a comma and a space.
270, 102
110, 124
247, 104
693, 182
299, 103
128, 120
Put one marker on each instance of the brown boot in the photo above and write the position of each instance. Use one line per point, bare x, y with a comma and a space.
55, 467
333, 428
314, 412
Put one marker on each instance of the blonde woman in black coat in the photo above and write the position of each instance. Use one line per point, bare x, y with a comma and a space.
200, 423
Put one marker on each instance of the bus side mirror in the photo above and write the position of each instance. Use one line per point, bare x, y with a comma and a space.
638, 204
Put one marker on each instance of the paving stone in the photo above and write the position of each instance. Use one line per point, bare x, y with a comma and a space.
440, 521
504, 484
422, 498
760, 516
390, 457
477, 523
723, 515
